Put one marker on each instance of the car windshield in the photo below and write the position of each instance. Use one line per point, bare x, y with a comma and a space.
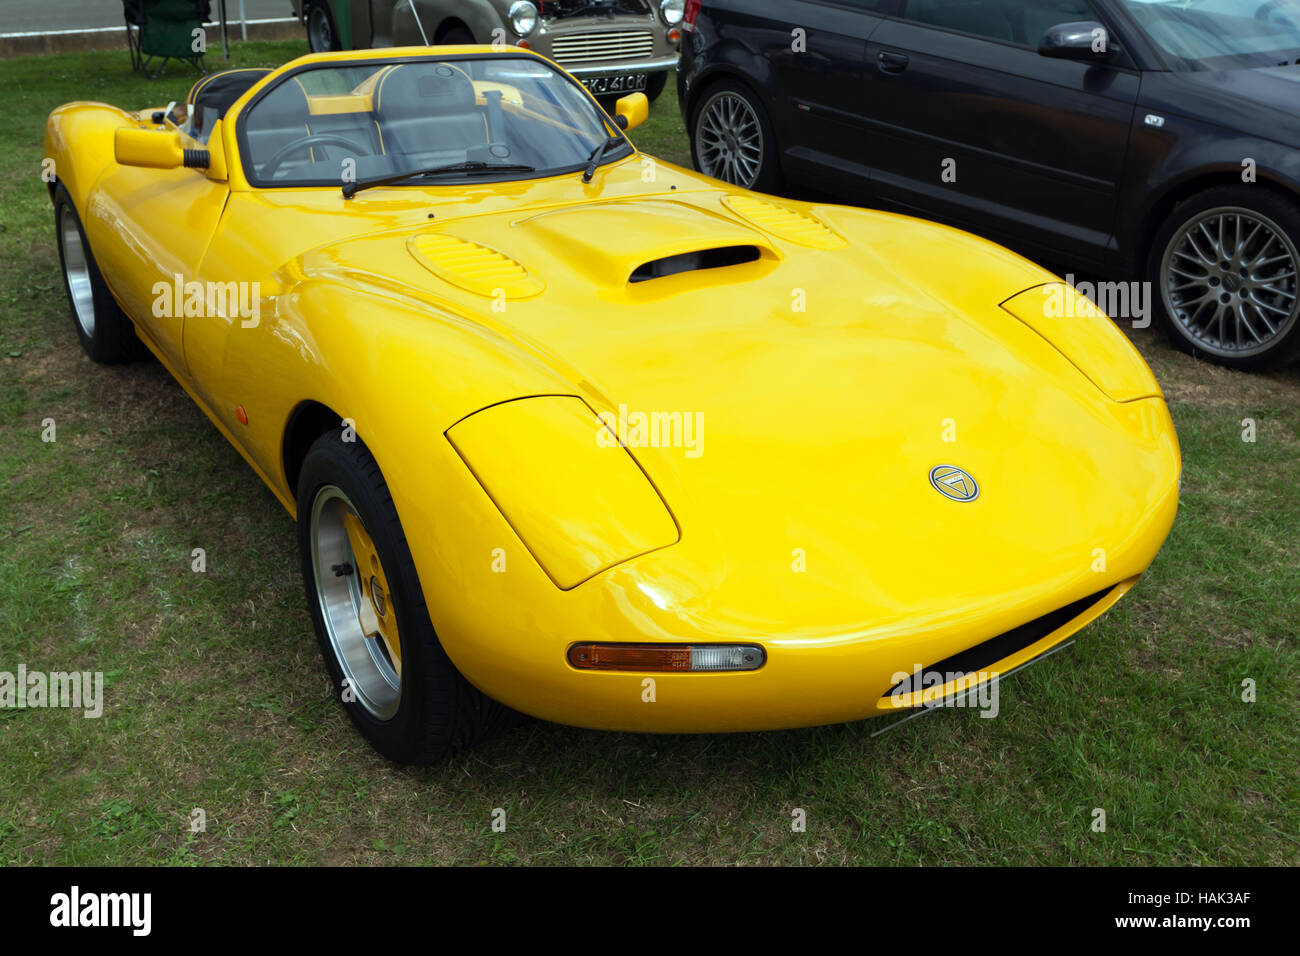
1222, 34
331, 125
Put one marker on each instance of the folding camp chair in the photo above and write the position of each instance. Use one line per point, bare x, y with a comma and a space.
164, 30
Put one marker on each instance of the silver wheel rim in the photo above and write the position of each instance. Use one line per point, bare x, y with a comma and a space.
76, 269
363, 658
318, 31
729, 140
1228, 278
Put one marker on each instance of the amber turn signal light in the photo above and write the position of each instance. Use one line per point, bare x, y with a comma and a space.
667, 657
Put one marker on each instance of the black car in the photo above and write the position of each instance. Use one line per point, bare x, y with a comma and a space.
1151, 139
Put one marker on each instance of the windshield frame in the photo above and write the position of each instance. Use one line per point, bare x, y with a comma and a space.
612, 155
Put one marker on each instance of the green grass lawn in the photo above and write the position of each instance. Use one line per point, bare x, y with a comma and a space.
217, 699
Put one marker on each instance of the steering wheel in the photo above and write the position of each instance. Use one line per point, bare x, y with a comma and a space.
323, 139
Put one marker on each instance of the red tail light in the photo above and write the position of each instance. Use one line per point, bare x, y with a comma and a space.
691, 15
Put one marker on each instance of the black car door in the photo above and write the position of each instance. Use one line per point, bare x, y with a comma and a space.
814, 53
971, 125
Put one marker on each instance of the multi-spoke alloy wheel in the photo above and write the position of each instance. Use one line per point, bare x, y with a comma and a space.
355, 603
1224, 268
1229, 279
732, 141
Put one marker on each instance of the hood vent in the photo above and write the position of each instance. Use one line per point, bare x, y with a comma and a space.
473, 267
785, 223
695, 261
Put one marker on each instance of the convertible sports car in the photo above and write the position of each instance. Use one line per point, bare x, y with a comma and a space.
580, 434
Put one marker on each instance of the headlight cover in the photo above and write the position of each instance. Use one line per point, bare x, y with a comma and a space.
672, 11
523, 17
1087, 338
579, 504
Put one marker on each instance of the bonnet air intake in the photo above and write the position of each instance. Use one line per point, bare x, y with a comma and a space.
695, 261
979, 657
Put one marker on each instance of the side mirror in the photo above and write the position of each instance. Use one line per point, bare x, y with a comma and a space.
155, 149
1084, 40
631, 111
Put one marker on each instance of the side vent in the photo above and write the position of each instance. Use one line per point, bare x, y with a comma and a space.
785, 223
695, 262
474, 268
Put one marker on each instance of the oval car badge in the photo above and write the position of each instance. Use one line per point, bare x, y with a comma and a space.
951, 482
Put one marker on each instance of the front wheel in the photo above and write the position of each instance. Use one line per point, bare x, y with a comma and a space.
654, 86
732, 140
322, 35
105, 332
398, 685
1224, 266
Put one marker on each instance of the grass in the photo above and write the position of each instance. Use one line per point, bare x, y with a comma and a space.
216, 698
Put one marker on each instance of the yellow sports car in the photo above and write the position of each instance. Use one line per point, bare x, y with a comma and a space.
575, 432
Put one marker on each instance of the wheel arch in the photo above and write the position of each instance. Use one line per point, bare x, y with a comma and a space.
719, 72
449, 24
79, 140
1190, 186
308, 421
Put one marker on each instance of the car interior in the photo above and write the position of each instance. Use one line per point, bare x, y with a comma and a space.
407, 116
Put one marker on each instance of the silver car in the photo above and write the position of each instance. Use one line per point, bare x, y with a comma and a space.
613, 47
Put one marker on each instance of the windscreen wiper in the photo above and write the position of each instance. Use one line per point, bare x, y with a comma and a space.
469, 166
597, 155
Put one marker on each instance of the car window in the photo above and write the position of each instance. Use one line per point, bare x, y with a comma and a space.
331, 124
1006, 20
1221, 34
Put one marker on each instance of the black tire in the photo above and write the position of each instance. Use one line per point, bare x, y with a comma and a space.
655, 85
768, 177
438, 712
104, 330
1248, 297
322, 32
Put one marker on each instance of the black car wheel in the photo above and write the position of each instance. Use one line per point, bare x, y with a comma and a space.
654, 85
399, 687
732, 139
105, 332
1225, 265
322, 37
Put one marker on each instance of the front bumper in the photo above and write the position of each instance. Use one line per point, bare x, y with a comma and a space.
610, 69
508, 629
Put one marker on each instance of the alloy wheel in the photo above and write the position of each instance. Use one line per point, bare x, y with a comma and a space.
356, 603
729, 140
76, 269
1229, 281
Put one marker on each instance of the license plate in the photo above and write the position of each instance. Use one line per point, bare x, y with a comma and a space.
623, 83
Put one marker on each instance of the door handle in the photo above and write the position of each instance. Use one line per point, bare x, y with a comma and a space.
892, 62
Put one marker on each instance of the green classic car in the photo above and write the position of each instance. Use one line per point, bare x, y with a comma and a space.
613, 47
